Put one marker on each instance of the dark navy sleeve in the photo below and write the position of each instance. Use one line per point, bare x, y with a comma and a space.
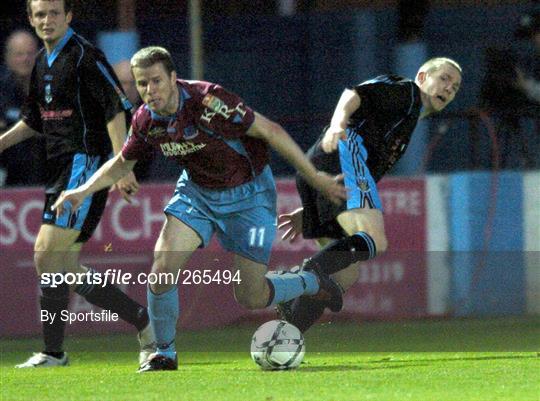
30, 113
384, 97
103, 85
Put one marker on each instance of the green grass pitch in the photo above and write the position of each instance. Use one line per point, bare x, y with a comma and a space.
461, 360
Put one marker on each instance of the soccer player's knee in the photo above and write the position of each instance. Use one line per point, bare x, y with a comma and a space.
41, 260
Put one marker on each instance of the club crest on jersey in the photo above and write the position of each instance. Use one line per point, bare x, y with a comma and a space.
48, 93
214, 105
156, 132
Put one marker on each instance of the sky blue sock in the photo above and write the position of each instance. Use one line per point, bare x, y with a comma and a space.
291, 285
163, 310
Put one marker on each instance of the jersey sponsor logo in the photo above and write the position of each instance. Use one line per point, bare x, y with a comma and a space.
171, 149
49, 115
214, 105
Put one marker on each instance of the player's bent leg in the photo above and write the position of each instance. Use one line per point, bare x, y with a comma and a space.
52, 248
252, 290
304, 312
365, 239
366, 223
259, 288
175, 245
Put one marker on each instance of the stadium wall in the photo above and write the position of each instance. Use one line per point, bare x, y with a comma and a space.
531, 184
486, 231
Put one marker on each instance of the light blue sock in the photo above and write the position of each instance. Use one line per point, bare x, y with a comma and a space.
163, 310
291, 285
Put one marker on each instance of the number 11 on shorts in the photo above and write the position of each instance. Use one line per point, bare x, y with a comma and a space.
256, 236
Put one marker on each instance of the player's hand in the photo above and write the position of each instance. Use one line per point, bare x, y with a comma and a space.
331, 187
292, 224
75, 197
331, 138
127, 186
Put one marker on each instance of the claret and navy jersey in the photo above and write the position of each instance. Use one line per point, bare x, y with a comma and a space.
206, 136
73, 94
226, 186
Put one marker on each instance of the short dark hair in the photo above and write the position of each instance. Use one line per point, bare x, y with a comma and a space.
68, 6
151, 55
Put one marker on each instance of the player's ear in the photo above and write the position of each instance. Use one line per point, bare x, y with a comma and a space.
69, 17
30, 19
421, 76
173, 76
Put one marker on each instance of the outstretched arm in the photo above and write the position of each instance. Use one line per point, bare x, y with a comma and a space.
18, 133
128, 185
348, 103
280, 141
106, 176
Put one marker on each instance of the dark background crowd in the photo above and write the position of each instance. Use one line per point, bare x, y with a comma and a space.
293, 58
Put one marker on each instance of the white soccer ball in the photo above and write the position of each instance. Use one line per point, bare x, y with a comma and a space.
278, 345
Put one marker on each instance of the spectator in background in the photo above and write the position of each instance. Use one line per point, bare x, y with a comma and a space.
22, 164
528, 74
510, 91
412, 17
123, 72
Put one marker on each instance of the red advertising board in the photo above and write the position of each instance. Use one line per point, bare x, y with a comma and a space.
391, 286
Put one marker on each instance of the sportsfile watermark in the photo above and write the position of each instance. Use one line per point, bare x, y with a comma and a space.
72, 317
120, 277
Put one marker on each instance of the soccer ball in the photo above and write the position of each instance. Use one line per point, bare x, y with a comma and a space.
277, 345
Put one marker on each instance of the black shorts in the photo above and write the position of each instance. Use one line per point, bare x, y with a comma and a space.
319, 216
70, 172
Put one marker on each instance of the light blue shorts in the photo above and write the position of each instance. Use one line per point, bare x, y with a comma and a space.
360, 185
243, 217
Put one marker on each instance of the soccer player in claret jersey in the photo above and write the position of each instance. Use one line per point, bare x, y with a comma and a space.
76, 103
226, 188
369, 131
